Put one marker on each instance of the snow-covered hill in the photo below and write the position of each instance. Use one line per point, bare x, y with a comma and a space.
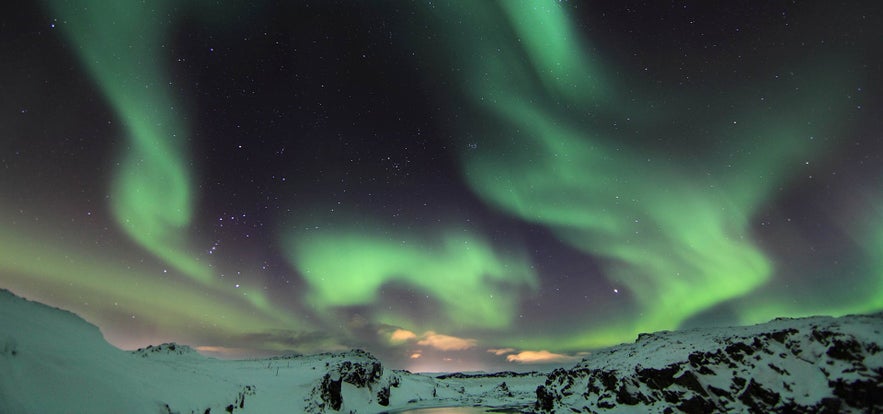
810, 365
52, 361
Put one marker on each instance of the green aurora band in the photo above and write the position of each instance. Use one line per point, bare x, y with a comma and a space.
122, 43
679, 242
474, 286
676, 233
123, 46
856, 286
105, 287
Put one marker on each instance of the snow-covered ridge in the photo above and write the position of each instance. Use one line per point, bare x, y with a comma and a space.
165, 349
52, 361
817, 364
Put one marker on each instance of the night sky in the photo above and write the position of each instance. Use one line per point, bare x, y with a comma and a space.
450, 185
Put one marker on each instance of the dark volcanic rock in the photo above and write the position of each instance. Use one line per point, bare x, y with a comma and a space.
696, 405
330, 392
383, 396
739, 350
360, 374
758, 398
689, 381
624, 396
862, 394
545, 400
657, 378
357, 368
165, 349
847, 350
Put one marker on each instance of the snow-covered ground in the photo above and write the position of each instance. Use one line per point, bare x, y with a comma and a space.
52, 361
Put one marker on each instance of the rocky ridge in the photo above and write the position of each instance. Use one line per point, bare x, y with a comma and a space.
817, 365
170, 348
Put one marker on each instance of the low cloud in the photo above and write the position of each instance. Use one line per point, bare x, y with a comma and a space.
446, 342
416, 355
402, 335
431, 339
540, 357
502, 351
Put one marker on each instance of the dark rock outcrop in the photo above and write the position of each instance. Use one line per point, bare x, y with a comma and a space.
165, 349
357, 368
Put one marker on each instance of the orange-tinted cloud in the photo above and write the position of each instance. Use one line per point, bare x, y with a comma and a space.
402, 335
502, 351
538, 357
416, 355
446, 342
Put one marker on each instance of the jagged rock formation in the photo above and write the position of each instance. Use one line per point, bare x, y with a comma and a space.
355, 381
170, 348
815, 364
357, 368
501, 374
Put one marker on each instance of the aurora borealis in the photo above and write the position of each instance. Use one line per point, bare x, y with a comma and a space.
448, 185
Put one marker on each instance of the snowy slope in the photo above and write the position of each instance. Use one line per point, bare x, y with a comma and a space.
817, 364
52, 361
